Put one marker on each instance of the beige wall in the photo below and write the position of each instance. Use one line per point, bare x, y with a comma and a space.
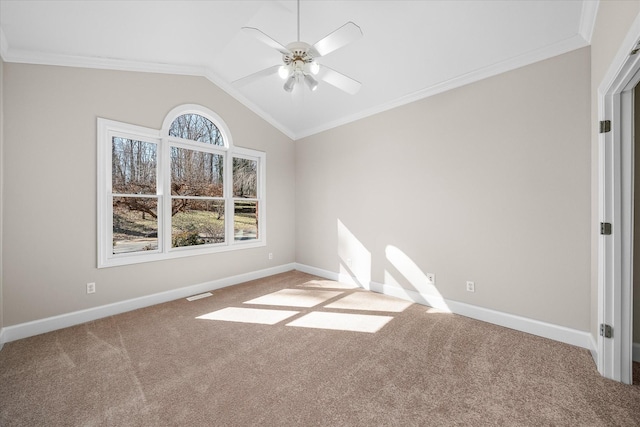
488, 182
495, 189
50, 196
612, 25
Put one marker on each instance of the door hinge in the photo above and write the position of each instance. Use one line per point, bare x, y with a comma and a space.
606, 330
605, 228
605, 126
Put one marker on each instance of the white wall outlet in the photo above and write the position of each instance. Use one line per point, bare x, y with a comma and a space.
270, 255
91, 288
471, 287
431, 278
349, 262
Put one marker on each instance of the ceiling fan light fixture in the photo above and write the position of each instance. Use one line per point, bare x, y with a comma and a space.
314, 68
311, 83
284, 72
290, 83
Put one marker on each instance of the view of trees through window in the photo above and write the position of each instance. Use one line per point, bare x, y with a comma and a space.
197, 179
245, 219
195, 127
197, 188
135, 210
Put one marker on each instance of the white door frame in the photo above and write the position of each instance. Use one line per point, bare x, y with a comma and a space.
616, 182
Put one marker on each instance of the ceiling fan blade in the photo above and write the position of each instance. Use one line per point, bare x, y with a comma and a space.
266, 40
342, 36
256, 76
339, 80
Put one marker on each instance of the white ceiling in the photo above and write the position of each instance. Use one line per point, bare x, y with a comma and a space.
409, 50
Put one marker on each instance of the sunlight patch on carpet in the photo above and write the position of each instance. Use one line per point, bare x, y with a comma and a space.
370, 302
249, 315
295, 298
342, 322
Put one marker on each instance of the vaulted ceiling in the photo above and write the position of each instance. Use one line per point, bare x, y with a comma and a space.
409, 49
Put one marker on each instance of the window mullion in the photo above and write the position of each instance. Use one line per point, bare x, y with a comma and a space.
165, 194
228, 197
189, 145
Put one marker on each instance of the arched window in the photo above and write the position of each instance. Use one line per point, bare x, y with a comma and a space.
178, 191
195, 127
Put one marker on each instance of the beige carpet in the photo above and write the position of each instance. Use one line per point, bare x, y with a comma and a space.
292, 349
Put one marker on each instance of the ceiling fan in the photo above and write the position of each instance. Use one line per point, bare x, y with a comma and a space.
299, 59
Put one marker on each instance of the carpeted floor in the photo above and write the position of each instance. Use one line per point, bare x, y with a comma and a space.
210, 363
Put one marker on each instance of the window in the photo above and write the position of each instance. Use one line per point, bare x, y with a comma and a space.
180, 191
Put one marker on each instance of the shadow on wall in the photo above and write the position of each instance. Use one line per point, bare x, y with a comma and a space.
403, 278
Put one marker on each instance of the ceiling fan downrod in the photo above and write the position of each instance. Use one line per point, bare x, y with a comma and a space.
299, 65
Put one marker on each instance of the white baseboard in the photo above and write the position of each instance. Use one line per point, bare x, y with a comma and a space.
535, 327
519, 323
40, 326
319, 272
636, 352
594, 349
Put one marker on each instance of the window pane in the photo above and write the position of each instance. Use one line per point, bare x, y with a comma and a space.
133, 169
245, 220
135, 224
245, 178
196, 128
196, 222
196, 173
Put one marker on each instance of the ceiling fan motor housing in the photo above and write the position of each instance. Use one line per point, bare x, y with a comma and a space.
299, 52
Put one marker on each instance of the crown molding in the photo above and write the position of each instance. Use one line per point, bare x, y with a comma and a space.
588, 19
39, 58
233, 92
565, 46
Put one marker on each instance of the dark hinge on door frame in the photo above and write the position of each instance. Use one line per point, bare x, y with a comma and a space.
606, 330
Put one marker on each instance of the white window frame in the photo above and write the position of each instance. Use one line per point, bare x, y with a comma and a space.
243, 153
107, 129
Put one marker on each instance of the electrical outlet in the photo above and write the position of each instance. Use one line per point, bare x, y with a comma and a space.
349, 262
471, 287
431, 278
270, 255
91, 288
